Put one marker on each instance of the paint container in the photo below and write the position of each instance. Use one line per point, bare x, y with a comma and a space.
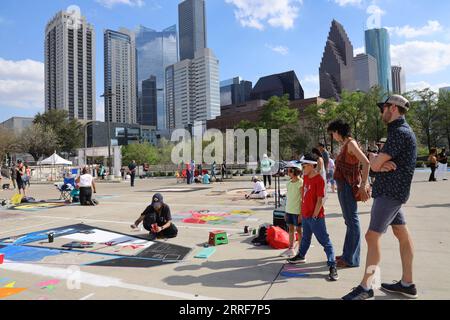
254, 232
1, 258
51, 237
246, 230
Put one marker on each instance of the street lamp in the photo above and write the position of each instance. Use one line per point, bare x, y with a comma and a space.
108, 95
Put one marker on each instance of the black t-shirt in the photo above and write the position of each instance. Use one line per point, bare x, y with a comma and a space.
151, 217
132, 167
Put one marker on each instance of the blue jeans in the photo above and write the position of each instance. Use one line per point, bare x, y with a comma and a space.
352, 245
319, 229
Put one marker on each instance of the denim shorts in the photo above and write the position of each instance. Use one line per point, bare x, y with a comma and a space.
386, 212
292, 219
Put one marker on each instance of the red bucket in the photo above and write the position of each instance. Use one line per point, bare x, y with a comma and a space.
1, 257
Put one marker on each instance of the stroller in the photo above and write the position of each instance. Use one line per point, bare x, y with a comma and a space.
66, 189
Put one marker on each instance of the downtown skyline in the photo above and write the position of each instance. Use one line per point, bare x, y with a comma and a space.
424, 46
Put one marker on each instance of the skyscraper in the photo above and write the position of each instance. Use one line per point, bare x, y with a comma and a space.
365, 72
378, 46
336, 68
70, 66
398, 80
444, 89
120, 76
196, 91
278, 85
155, 51
192, 22
149, 99
234, 91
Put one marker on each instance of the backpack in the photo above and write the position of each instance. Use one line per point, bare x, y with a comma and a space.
277, 238
261, 239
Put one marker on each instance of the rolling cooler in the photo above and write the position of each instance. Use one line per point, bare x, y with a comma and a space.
279, 213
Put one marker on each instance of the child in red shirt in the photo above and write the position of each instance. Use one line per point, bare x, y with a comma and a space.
313, 215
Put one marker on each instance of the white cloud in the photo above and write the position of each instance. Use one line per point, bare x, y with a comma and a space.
420, 57
409, 32
257, 13
311, 85
423, 85
344, 3
21, 84
279, 49
111, 3
359, 50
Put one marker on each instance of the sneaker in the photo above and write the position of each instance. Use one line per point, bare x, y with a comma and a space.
288, 253
397, 287
297, 260
359, 294
333, 276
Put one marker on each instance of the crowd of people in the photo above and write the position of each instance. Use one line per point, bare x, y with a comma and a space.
385, 174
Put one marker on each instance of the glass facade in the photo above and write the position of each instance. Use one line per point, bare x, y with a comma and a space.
149, 100
156, 50
378, 46
192, 22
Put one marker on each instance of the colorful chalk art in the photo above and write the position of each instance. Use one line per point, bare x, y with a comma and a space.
213, 217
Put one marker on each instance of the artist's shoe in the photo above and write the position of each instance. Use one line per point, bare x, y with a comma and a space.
359, 293
333, 276
297, 260
397, 287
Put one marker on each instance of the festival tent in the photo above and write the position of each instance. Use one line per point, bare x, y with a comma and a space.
54, 161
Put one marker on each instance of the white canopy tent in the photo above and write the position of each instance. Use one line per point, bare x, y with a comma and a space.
54, 160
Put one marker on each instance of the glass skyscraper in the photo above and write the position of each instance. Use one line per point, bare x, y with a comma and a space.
378, 46
192, 22
156, 50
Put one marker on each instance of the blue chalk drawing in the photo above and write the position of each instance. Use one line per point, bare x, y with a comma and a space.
42, 235
27, 254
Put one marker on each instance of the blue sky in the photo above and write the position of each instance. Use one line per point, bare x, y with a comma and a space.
251, 38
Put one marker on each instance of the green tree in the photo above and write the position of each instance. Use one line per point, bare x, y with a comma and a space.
319, 117
444, 115
353, 109
425, 109
38, 141
69, 133
8, 143
141, 153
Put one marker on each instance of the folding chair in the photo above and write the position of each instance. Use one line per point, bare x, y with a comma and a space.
66, 188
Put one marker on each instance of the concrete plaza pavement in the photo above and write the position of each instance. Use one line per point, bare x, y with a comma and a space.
238, 270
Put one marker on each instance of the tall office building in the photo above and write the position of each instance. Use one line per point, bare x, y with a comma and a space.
192, 22
170, 97
155, 51
234, 91
196, 90
278, 85
365, 72
398, 80
378, 46
336, 68
150, 100
70, 66
120, 77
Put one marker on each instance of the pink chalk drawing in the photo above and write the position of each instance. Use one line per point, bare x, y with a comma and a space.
49, 284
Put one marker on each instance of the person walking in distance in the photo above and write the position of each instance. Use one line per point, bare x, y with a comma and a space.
394, 167
433, 163
350, 180
132, 168
13, 175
